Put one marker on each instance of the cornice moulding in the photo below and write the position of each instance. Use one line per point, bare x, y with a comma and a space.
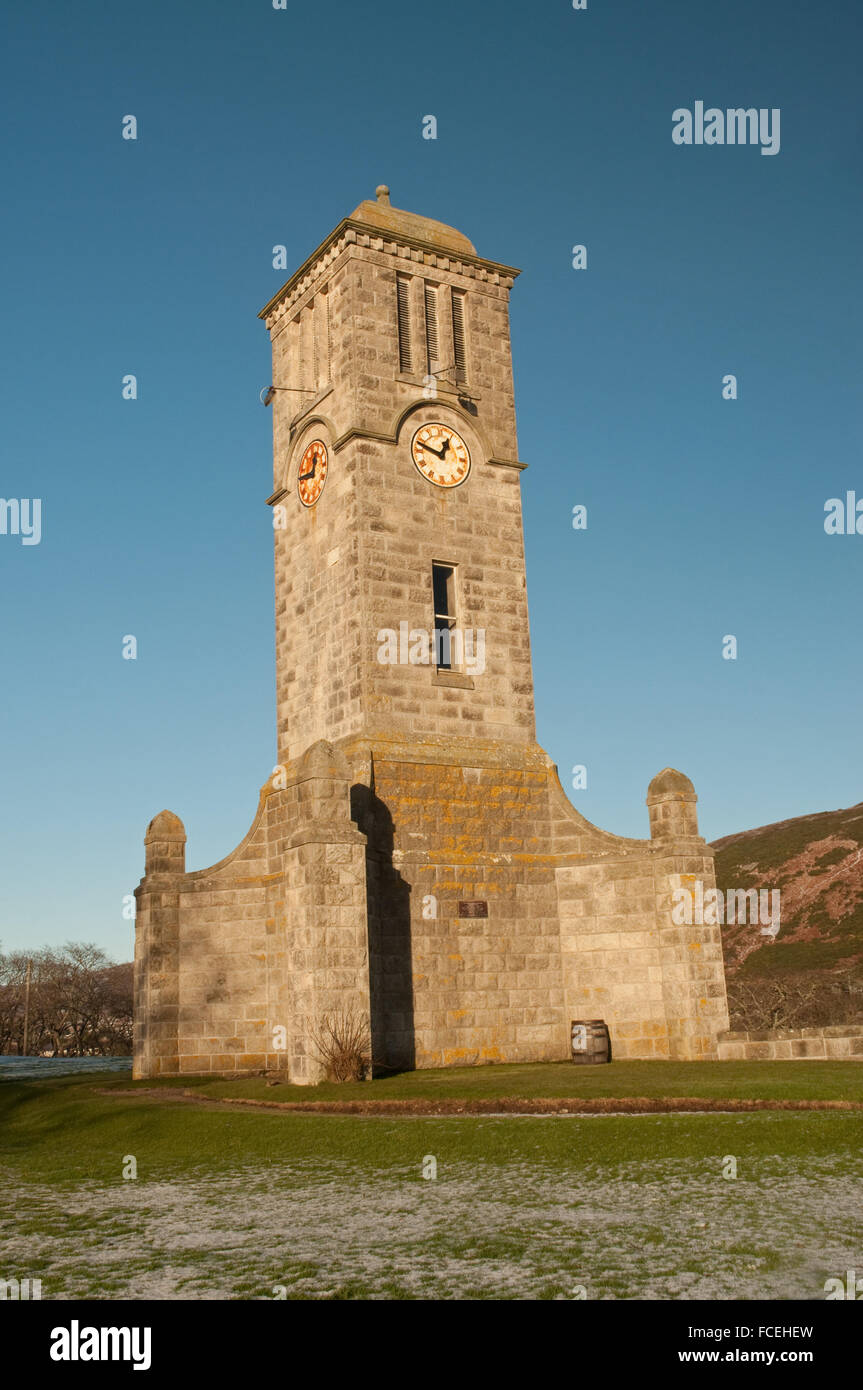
352, 232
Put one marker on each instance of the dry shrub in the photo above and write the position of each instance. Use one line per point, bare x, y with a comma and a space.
343, 1042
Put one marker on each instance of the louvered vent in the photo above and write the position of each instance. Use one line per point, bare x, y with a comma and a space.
431, 329
403, 290
458, 337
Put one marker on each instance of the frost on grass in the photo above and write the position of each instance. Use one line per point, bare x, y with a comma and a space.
661, 1230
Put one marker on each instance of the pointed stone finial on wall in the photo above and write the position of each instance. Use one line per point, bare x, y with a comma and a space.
671, 805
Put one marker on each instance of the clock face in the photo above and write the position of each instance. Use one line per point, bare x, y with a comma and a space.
441, 455
313, 473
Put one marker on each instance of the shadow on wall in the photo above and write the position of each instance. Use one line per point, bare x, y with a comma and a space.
391, 1004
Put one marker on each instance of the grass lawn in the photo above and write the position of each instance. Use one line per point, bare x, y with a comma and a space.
719, 1080
244, 1204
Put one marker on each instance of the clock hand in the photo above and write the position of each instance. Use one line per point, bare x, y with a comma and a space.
438, 453
305, 476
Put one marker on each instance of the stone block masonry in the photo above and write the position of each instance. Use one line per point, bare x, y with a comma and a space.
841, 1043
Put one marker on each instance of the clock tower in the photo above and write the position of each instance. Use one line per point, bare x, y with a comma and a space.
396, 498
415, 876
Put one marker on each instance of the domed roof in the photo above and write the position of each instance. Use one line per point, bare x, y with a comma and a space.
670, 782
166, 826
411, 224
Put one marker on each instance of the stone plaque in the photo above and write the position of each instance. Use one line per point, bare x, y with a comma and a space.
477, 908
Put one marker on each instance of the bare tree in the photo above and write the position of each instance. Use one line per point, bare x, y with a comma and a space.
80, 1002
795, 1001
13, 969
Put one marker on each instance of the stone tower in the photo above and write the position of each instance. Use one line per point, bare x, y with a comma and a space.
414, 860
395, 322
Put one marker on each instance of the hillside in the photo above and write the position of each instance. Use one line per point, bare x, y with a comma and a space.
817, 956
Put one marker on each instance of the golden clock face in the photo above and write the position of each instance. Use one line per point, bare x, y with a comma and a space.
313, 473
441, 455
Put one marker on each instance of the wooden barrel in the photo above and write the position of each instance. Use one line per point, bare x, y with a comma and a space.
590, 1042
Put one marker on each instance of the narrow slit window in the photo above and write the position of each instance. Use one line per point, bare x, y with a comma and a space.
404, 317
446, 656
458, 336
432, 341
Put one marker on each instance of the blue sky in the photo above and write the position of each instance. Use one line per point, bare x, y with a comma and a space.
705, 517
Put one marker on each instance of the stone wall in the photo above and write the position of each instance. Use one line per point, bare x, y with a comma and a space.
843, 1042
348, 891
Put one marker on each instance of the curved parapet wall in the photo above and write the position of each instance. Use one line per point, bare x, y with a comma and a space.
447, 890
578, 920
236, 964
